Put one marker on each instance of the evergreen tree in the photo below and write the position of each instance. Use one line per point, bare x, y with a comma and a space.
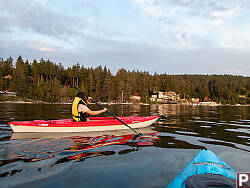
48, 81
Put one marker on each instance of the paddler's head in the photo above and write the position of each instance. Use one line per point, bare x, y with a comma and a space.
82, 95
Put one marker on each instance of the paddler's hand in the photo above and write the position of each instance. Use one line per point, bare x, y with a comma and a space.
105, 109
89, 99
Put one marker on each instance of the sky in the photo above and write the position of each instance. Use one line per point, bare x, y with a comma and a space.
157, 36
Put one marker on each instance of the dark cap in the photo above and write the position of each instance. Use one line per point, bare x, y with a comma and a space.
82, 95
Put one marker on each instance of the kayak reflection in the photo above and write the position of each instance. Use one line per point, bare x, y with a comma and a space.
34, 147
58, 148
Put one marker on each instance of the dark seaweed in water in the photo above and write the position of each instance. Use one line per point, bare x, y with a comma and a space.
115, 159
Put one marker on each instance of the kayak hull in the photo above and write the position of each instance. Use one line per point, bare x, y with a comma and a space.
205, 162
59, 135
95, 124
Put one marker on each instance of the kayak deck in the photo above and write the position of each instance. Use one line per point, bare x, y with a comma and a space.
204, 163
94, 124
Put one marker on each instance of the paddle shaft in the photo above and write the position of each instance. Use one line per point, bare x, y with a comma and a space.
114, 116
100, 106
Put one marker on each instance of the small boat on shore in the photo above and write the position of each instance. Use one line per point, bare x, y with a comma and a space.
94, 124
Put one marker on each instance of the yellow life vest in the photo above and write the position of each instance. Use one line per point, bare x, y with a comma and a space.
75, 113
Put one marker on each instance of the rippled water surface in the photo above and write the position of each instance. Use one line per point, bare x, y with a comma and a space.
118, 159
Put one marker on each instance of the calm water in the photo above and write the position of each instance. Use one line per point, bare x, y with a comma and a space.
115, 159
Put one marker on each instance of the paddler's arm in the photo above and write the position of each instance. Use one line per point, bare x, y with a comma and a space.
83, 108
94, 113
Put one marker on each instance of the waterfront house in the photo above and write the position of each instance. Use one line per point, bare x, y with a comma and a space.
135, 98
168, 96
7, 93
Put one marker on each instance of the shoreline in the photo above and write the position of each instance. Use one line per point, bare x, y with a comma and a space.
120, 103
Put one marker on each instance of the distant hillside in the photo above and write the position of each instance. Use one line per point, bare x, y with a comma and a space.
48, 81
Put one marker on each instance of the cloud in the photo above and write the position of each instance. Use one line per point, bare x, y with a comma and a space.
44, 49
193, 24
217, 21
25, 16
219, 17
151, 8
38, 25
236, 38
153, 58
184, 36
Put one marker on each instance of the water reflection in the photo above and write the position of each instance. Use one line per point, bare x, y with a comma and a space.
220, 123
75, 147
179, 130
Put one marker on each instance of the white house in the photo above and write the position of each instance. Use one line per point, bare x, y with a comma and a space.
7, 93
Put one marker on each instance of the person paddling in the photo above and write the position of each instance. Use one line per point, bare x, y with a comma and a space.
80, 111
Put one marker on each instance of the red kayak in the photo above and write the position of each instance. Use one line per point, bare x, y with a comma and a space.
94, 124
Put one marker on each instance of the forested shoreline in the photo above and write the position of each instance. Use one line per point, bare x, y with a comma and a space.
50, 82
